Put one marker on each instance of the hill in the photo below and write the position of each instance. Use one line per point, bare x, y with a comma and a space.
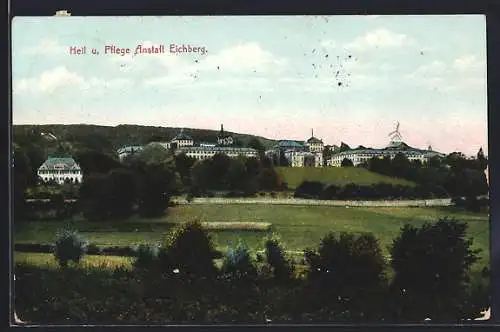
109, 138
336, 175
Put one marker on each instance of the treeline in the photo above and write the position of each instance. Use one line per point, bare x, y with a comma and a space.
244, 175
379, 191
108, 139
144, 183
344, 279
458, 175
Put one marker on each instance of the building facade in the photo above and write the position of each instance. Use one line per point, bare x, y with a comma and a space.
60, 170
362, 155
183, 143
207, 152
299, 153
128, 150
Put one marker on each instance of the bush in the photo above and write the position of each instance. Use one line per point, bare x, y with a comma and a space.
146, 256
282, 268
431, 266
238, 264
330, 192
346, 276
309, 189
347, 163
70, 246
190, 249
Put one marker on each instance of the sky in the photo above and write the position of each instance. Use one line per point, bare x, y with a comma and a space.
350, 78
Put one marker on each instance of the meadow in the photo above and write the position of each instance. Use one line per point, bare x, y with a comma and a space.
294, 176
299, 227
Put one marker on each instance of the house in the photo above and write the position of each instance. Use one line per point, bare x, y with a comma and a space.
128, 150
60, 170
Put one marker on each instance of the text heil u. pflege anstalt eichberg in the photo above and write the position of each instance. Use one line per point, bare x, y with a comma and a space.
140, 49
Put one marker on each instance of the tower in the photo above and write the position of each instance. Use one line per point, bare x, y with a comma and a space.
312, 132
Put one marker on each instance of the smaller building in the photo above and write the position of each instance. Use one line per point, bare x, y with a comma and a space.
315, 145
224, 139
128, 150
182, 140
60, 170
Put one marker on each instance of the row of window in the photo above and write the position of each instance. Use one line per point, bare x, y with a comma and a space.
59, 172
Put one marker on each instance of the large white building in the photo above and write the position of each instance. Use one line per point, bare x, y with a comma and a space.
183, 143
362, 155
60, 170
299, 153
206, 152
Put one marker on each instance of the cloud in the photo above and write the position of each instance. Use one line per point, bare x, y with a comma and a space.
380, 38
47, 46
243, 57
218, 70
328, 44
464, 72
469, 62
60, 77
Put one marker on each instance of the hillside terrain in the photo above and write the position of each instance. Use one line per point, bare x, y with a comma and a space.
109, 138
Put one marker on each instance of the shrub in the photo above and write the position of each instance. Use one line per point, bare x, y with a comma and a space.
70, 246
431, 267
347, 163
330, 192
309, 189
190, 249
282, 267
146, 256
346, 276
238, 264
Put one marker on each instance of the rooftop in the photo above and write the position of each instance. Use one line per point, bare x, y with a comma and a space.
182, 136
128, 149
216, 148
60, 163
314, 140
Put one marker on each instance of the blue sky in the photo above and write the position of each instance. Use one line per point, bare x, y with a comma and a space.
276, 77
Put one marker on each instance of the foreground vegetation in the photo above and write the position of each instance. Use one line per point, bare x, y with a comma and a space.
299, 226
345, 280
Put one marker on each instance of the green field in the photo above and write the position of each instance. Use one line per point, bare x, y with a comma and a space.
336, 175
299, 227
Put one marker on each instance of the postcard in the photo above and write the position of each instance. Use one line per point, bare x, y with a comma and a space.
250, 169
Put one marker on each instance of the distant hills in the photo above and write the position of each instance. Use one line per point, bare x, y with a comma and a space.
114, 137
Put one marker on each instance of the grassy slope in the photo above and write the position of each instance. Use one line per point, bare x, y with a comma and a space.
299, 226
336, 175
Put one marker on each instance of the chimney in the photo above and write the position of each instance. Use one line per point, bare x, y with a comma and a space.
312, 132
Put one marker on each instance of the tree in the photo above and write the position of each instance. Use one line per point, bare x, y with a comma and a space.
183, 165
400, 166
256, 144
344, 147
346, 275
92, 161
219, 170
481, 160
431, 266
269, 179
237, 174
434, 162
327, 154
156, 181
201, 178
109, 196
347, 163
